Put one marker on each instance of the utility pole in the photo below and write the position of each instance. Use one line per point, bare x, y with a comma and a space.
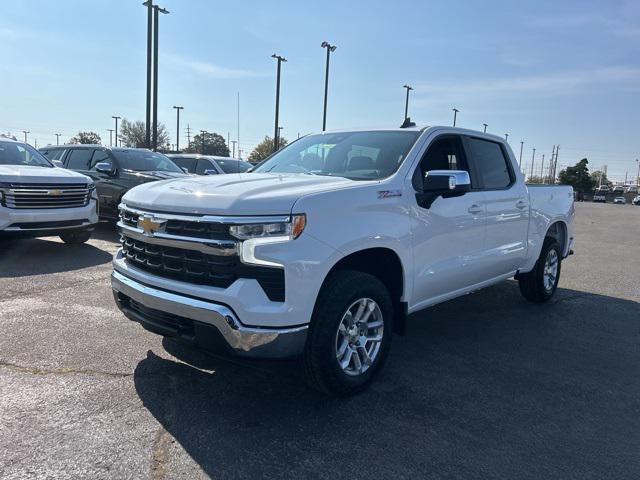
156, 10
406, 102
147, 133
202, 132
178, 127
276, 130
233, 155
533, 160
485, 127
26, 132
57, 138
188, 136
110, 130
455, 116
521, 146
330, 48
116, 130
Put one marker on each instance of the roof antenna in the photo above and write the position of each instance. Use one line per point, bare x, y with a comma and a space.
407, 123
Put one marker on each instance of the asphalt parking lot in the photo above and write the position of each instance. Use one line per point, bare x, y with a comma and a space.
485, 386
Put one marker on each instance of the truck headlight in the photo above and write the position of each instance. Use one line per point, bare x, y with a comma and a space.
291, 229
256, 234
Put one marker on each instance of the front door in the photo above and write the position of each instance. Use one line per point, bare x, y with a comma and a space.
448, 237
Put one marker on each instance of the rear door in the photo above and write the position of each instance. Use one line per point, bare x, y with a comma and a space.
109, 190
205, 164
506, 206
448, 237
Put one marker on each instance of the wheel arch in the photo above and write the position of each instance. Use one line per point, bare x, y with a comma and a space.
558, 230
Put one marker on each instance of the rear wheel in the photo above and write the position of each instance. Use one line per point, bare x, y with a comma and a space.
76, 238
350, 333
540, 284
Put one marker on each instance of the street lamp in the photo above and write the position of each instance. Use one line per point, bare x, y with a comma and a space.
202, 132
178, 127
280, 59
330, 48
26, 132
638, 173
110, 130
506, 137
485, 127
57, 138
116, 119
406, 102
279, 136
147, 133
156, 25
455, 116
521, 146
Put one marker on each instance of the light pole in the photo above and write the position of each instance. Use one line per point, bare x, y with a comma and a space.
156, 27
280, 59
279, 137
521, 146
110, 130
638, 173
26, 132
178, 127
57, 138
533, 160
233, 155
406, 102
116, 130
202, 132
455, 116
506, 137
330, 48
147, 132
485, 127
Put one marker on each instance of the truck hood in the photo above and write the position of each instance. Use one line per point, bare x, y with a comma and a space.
232, 194
154, 174
29, 174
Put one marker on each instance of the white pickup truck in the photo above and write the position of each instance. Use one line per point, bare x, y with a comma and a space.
38, 199
328, 245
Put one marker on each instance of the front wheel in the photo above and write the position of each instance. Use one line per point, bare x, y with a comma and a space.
350, 333
76, 238
540, 284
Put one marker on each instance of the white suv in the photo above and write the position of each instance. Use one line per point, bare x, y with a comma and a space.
38, 199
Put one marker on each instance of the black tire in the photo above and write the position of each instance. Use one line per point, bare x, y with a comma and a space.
532, 284
76, 238
341, 290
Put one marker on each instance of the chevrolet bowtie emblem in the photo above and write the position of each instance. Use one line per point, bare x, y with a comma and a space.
55, 192
150, 225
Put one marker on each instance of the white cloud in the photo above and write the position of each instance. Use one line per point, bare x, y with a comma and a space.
210, 69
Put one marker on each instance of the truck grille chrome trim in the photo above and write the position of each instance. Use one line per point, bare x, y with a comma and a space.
40, 195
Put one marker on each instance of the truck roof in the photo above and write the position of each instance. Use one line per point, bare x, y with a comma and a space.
424, 128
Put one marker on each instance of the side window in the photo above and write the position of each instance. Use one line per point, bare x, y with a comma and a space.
444, 153
56, 154
99, 156
78, 159
204, 164
490, 163
188, 163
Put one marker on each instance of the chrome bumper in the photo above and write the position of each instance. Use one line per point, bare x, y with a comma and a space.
240, 340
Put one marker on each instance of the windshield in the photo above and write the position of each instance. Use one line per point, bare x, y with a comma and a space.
145, 161
233, 166
13, 153
354, 155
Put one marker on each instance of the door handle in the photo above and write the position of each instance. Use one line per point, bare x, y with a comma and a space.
474, 209
521, 204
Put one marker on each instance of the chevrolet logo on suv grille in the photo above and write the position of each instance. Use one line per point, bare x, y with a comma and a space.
55, 193
150, 225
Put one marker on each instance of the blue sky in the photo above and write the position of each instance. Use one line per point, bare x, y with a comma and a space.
545, 72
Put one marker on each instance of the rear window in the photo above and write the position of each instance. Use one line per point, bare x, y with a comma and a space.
491, 163
145, 161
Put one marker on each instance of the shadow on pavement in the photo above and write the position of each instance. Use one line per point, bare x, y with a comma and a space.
484, 386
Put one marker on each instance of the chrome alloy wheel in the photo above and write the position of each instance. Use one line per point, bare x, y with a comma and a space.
550, 270
359, 336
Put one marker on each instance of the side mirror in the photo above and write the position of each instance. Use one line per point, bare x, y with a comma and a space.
57, 163
443, 183
184, 169
210, 171
104, 167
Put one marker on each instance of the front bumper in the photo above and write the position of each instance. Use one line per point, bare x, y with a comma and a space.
48, 221
207, 324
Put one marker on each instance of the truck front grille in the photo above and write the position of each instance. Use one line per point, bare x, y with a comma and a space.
39, 195
186, 228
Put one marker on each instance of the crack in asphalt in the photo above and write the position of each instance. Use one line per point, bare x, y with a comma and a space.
60, 371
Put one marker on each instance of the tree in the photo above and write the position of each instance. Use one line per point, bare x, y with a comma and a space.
536, 179
264, 149
578, 177
600, 178
133, 134
86, 138
209, 144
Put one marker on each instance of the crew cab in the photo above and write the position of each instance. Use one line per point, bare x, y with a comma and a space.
327, 245
114, 170
38, 199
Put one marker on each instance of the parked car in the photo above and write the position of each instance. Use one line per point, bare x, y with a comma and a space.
632, 189
618, 189
600, 196
636, 200
326, 247
114, 170
209, 164
620, 200
38, 199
